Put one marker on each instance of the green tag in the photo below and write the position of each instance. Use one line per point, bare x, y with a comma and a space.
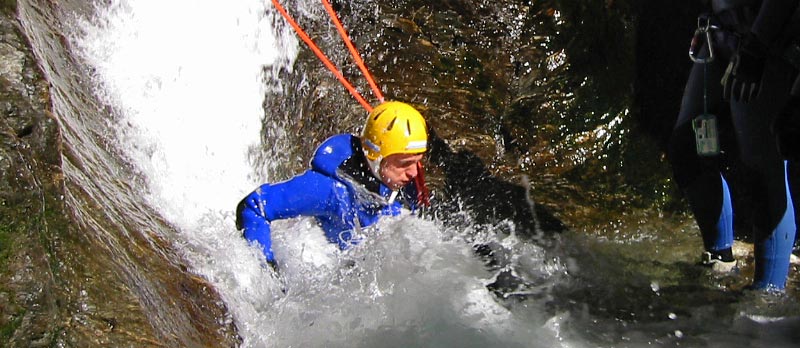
705, 135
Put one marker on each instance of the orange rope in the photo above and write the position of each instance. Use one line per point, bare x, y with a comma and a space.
321, 56
353, 51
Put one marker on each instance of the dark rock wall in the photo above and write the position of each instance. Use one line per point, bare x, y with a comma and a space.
571, 99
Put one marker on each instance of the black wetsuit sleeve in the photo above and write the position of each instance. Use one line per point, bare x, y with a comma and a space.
772, 19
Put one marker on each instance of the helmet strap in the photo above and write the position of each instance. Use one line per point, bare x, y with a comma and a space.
375, 166
393, 196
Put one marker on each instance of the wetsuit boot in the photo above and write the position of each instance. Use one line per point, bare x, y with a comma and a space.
773, 252
718, 241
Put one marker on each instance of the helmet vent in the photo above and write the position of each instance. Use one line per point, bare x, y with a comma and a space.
391, 124
378, 115
408, 127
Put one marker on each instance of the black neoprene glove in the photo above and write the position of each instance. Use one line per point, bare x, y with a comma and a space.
787, 129
742, 79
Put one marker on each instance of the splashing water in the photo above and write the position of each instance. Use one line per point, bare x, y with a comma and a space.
186, 79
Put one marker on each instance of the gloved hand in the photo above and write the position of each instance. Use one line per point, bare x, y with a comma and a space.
787, 129
742, 79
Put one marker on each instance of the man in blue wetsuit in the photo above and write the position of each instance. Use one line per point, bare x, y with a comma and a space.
748, 39
352, 181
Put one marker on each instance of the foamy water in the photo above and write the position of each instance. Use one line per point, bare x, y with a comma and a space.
187, 80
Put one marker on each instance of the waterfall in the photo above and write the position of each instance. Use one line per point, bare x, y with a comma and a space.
187, 80
185, 83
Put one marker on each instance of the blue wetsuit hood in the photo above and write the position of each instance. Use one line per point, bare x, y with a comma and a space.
333, 152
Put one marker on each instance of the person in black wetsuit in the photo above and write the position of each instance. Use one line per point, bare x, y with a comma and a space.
739, 66
787, 124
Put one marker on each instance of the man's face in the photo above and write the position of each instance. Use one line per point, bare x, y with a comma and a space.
399, 169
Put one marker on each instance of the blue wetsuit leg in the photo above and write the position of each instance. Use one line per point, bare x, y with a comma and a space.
723, 238
773, 212
774, 252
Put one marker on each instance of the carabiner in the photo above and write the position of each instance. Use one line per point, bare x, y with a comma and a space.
704, 26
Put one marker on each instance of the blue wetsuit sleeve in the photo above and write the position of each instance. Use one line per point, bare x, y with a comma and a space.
251, 219
308, 194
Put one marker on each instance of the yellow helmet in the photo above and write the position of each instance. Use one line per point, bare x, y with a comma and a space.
394, 127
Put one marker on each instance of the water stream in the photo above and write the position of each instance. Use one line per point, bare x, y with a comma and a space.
185, 84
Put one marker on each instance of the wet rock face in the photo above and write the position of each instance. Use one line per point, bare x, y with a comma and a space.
30, 181
535, 89
24, 97
518, 94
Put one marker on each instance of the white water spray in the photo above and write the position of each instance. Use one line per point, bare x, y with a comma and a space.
186, 78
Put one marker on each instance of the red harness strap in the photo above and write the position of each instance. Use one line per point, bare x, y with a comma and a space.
423, 195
